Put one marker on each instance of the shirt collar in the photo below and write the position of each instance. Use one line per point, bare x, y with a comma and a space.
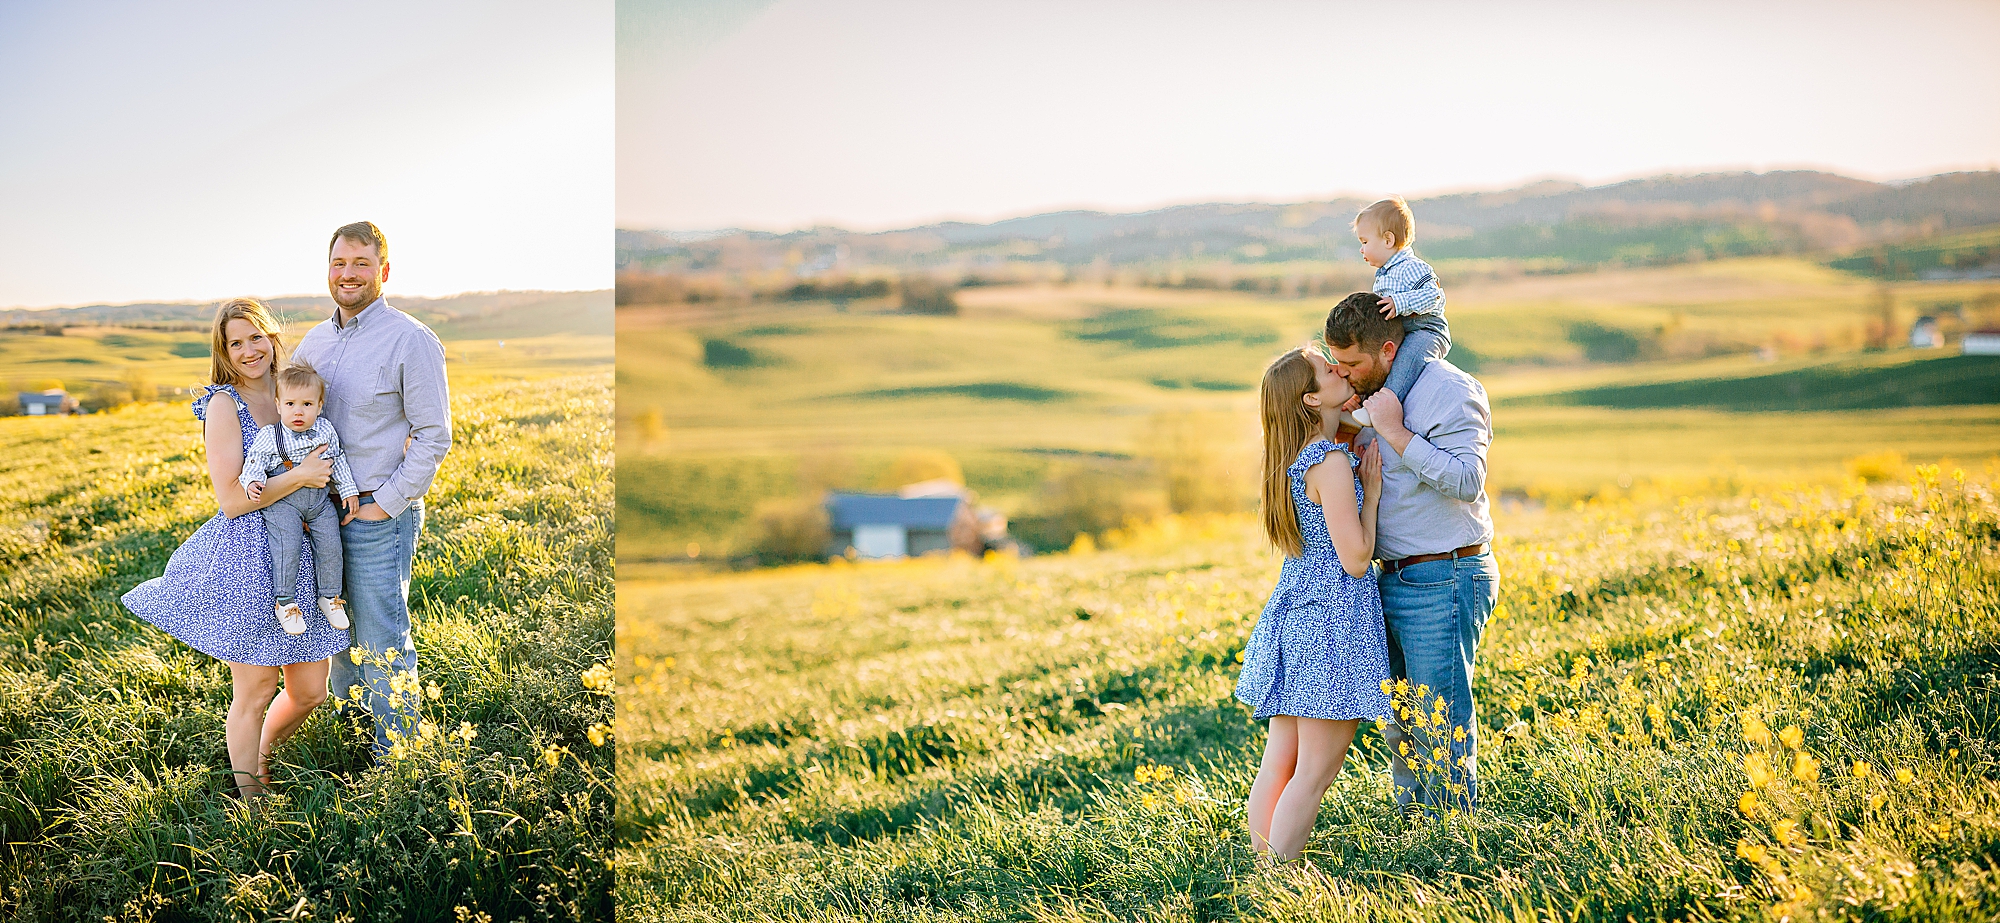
1399, 257
361, 318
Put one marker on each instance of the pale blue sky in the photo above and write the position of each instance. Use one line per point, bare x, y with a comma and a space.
199, 151
890, 113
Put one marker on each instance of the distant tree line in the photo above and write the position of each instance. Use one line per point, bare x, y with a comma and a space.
916, 294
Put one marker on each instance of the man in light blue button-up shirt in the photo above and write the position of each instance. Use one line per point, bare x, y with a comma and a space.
386, 394
1434, 537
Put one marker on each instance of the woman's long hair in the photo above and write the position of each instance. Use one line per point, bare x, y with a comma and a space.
1288, 425
220, 370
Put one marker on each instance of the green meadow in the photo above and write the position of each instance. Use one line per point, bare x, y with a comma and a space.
85, 358
1596, 378
1770, 701
113, 769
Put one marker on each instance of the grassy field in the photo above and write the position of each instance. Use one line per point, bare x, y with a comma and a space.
723, 406
112, 760
1055, 739
86, 357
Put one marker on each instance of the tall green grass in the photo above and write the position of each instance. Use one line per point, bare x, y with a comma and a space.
1055, 739
113, 770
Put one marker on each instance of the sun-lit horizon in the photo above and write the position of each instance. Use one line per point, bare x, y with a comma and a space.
779, 115
194, 155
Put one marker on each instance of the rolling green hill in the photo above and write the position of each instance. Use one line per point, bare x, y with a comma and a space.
1851, 384
1547, 226
1596, 377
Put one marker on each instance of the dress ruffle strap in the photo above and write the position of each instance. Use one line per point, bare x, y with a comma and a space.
1315, 452
208, 392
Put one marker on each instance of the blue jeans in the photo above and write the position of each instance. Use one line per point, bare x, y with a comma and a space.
1426, 339
378, 556
1435, 613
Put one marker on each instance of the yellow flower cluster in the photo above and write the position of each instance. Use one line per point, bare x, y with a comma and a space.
598, 679
1426, 720
1147, 773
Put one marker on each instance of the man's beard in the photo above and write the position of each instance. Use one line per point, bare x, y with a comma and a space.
1366, 387
366, 296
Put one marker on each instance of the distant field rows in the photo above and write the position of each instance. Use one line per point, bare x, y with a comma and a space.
1032, 379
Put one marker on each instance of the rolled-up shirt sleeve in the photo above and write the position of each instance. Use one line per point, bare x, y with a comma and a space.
1451, 456
427, 405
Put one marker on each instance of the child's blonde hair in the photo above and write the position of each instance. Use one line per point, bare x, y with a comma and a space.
1390, 216
1288, 425
300, 376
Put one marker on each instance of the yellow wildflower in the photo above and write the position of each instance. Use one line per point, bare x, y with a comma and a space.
467, 731
1747, 804
1752, 852
598, 679
1758, 768
1862, 770
1787, 832
1805, 768
1458, 734
1388, 688
554, 754
1905, 776
355, 691
1756, 732
1792, 737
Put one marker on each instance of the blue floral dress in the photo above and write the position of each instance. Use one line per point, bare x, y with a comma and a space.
1320, 649
216, 594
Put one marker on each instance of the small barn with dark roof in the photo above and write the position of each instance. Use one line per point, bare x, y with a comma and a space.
47, 403
889, 526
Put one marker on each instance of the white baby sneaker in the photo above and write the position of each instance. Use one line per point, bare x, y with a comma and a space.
291, 618
1359, 416
335, 610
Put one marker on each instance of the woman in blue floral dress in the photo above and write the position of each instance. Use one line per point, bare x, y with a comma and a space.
216, 593
1316, 661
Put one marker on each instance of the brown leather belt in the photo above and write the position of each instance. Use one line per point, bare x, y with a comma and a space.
1390, 567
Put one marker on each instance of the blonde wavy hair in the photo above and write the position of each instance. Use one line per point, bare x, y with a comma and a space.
220, 371
1288, 425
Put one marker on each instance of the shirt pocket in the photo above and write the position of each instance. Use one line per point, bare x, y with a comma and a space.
385, 397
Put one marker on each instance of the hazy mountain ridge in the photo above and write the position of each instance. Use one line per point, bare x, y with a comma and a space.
1656, 219
467, 315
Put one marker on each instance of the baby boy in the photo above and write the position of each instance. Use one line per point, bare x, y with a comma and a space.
1409, 290
299, 430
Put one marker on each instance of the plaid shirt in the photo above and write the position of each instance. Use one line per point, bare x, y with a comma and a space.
266, 455
1410, 281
